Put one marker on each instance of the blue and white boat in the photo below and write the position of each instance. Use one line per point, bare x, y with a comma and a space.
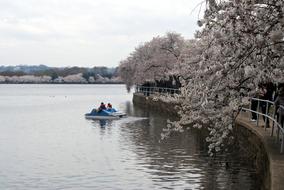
105, 114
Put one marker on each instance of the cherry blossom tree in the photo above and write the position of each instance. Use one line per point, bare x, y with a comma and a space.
26, 79
101, 79
2, 79
126, 71
240, 44
76, 78
152, 60
91, 80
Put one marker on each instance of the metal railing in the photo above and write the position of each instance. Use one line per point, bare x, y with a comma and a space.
273, 117
152, 90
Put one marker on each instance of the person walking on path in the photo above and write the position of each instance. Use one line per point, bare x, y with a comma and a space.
280, 102
267, 91
253, 108
259, 93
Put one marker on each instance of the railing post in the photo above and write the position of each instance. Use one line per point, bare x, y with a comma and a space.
282, 143
257, 115
280, 119
277, 136
279, 126
273, 123
147, 91
266, 118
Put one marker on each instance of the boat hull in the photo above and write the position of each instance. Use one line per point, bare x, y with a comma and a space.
104, 114
101, 117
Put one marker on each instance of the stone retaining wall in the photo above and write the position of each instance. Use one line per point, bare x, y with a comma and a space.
253, 149
149, 103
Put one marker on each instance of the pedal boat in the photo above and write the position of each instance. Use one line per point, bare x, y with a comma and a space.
105, 114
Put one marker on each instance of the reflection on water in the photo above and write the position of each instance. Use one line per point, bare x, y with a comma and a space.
182, 161
103, 122
50, 145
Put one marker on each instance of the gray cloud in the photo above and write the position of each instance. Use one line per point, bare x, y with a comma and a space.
86, 32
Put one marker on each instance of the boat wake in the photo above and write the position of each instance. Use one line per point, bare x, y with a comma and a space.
130, 119
119, 122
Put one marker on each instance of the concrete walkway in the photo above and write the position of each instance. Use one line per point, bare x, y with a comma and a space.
276, 160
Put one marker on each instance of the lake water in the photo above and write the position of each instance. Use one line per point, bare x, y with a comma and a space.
46, 143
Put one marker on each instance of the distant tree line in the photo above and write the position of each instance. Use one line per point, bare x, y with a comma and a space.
44, 74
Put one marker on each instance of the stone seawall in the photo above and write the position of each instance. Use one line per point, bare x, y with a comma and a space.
255, 143
253, 149
149, 103
258, 143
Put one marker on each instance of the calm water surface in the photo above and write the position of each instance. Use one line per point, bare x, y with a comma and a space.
46, 143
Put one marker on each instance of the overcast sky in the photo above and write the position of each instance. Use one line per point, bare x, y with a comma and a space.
87, 32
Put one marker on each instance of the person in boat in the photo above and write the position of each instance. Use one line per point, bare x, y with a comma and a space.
102, 107
109, 106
